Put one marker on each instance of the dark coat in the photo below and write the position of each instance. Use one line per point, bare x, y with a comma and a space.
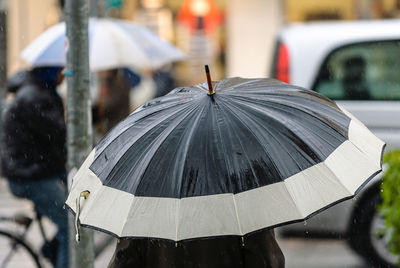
260, 250
34, 133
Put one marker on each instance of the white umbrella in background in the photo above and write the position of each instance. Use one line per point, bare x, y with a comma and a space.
112, 43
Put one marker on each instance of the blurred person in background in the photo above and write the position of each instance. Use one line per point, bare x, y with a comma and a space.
33, 138
354, 84
122, 90
113, 103
164, 82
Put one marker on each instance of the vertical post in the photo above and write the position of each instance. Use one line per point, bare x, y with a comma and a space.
3, 56
79, 120
3, 53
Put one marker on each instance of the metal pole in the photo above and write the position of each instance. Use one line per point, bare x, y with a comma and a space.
3, 53
3, 58
79, 120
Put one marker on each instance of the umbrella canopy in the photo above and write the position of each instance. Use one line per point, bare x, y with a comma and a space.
257, 154
112, 44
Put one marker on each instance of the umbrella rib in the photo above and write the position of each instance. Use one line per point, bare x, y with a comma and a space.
228, 167
240, 142
127, 214
337, 178
189, 139
237, 215
294, 202
250, 130
177, 219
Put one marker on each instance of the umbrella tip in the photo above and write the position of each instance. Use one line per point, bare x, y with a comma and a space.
210, 87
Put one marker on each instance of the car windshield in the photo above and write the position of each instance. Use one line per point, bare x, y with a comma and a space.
364, 71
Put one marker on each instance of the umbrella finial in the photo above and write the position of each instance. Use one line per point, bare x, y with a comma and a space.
210, 87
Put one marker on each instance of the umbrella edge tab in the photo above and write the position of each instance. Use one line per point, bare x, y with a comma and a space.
83, 194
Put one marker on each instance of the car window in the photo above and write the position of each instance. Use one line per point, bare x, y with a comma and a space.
364, 71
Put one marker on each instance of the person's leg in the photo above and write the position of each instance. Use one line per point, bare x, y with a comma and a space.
49, 196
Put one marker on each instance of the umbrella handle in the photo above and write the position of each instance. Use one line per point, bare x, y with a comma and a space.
83, 194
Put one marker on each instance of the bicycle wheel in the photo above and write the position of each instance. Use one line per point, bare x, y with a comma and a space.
15, 253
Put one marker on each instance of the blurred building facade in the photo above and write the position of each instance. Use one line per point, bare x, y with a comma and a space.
309, 10
234, 37
27, 19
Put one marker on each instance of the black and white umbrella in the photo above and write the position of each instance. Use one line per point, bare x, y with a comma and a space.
257, 154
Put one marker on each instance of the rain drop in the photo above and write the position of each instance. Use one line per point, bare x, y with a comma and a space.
381, 190
305, 223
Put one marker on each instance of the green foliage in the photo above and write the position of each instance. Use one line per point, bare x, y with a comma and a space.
390, 192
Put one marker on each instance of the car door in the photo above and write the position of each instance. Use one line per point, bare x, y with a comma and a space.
364, 78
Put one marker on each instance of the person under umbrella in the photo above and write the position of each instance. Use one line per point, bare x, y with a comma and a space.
33, 156
233, 158
260, 250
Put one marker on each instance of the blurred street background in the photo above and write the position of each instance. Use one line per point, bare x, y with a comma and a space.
236, 38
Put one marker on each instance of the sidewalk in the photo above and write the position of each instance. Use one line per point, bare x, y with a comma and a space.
9, 206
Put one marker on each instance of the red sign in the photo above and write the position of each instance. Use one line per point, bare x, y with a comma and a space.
200, 15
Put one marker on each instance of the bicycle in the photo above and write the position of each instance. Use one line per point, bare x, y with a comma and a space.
18, 250
20, 253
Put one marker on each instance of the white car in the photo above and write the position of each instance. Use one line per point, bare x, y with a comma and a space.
357, 64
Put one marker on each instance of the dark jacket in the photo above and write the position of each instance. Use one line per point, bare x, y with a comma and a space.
33, 131
260, 250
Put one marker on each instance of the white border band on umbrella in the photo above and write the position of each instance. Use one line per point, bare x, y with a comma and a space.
339, 177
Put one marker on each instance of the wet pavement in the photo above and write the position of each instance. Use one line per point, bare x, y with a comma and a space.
299, 253
319, 253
